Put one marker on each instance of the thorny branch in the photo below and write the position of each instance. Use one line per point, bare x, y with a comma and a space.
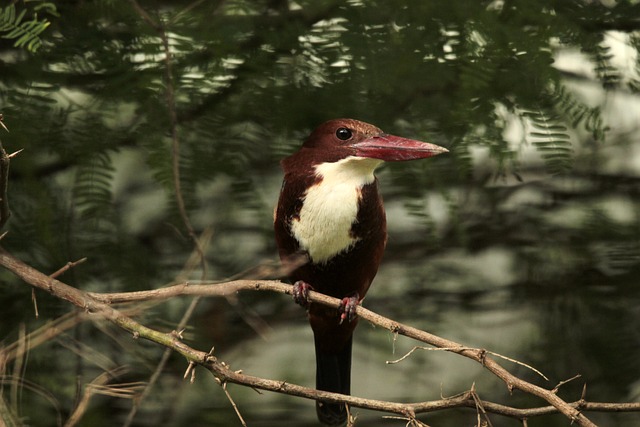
199, 244
98, 306
5, 159
173, 125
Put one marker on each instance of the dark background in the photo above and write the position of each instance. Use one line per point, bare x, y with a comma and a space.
524, 239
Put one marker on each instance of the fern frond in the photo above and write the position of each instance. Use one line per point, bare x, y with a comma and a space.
92, 190
463, 156
25, 33
579, 113
601, 56
551, 138
634, 81
8, 18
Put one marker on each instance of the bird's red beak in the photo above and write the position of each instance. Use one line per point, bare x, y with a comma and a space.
391, 148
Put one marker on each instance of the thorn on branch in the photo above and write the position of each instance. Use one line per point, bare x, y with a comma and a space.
482, 356
575, 416
2, 123
15, 153
178, 334
583, 401
5, 161
395, 328
209, 356
35, 302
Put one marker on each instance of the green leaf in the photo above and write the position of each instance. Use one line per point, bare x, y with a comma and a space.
26, 34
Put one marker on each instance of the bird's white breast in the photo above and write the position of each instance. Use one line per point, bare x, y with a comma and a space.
330, 207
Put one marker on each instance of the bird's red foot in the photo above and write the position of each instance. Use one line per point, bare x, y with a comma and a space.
347, 308
301, 293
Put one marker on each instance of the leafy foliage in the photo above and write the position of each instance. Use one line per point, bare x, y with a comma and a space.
25, 33
550, 137
578, 114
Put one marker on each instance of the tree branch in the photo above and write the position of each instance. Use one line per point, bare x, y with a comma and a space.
99, 305
5, 160
170, 97
479, 355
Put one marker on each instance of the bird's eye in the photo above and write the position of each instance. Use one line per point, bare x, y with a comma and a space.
344, 134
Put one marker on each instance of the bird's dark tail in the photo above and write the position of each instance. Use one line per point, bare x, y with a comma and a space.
333, 373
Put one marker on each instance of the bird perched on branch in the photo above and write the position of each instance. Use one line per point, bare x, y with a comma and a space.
331, 213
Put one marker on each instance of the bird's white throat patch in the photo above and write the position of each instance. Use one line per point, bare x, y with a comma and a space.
330, 207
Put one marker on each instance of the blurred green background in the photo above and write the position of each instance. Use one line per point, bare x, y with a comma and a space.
524, 239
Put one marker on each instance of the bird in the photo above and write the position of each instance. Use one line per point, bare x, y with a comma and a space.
330, 214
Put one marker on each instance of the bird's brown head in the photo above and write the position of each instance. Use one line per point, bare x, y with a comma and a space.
341, 138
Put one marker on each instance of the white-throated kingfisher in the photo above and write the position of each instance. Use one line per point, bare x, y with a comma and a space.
331, 213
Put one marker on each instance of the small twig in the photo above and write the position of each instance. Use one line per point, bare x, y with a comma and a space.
42, 335
351, 418
5, 161
122, 390
410, 421
459, 349
18, 366
34, 300
479, 407
187, 9
40, 391
206, 237
517, 362
69, 265
53, 275
98, 386
147, 390
563, 382
418, 347
173, 125
233, 404
191, 370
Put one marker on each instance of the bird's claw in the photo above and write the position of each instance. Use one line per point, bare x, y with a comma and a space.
301, 293
347, 308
